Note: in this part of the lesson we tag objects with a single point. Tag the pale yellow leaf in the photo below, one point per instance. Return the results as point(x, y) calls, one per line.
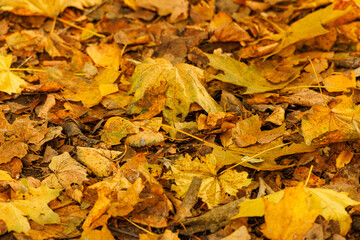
point(9, 82)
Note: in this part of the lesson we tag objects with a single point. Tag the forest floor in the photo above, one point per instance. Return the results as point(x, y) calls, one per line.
point(181, 119)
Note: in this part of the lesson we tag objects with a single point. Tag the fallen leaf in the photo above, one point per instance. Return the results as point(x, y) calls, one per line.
point(158, 86)
point(214, 186)
point(291, 217)
point(251, 77)
point(126, 199)
point(177, 8)
point(116, 128)
point(239, 234)
point(32, 204)
point(330, 204)
point(93, 234)
point(99, 161)
point(45, 8)
point(9, 82)
point(324, 125)
point(310, 26)
point(340, 82)
point(343, 158)
point(66, 172)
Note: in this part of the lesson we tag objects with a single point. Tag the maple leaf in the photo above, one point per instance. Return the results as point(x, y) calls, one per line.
point(252, 77)
point(330, 204)
point(21, 134)
point(158, 86)
point(291, 217)
point(214, 186)
point(325, 125)
point(43, 7)
point(32, 204)
point(66, 172)
point(9, 82)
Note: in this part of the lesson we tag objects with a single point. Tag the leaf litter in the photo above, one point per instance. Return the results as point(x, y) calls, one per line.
point(219, 119)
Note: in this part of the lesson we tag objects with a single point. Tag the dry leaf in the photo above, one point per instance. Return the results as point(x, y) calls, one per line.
point(9, 82)
point(291, 217)
point(214, 186)
point(66, 172)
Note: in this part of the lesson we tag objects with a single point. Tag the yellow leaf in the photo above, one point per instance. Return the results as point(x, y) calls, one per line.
point(325, 125)
point(86, 34)
point(9, 82)
point(251, 77)
point(214, 186)
point(93, 234)
point(105, 55)
point(4, 176)
point(344, 158)
point(339, 83)
point(50, 8)
point(101, 205)
point(291, 217)
point(99, 161)
point(32, 204)
point(91, 93)
point(13, 218)
point(312, 25)
point(116, 128)
point(330, 204)
point(126, 200)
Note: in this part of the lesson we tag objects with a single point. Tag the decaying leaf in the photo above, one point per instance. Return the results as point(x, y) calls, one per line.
point(116, 128)
point(178, 8)
point(16, 138)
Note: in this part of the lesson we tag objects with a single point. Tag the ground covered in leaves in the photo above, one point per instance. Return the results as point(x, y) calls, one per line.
point(181, 119)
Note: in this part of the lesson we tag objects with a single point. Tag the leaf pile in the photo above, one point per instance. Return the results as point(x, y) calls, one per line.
point(153, 119)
